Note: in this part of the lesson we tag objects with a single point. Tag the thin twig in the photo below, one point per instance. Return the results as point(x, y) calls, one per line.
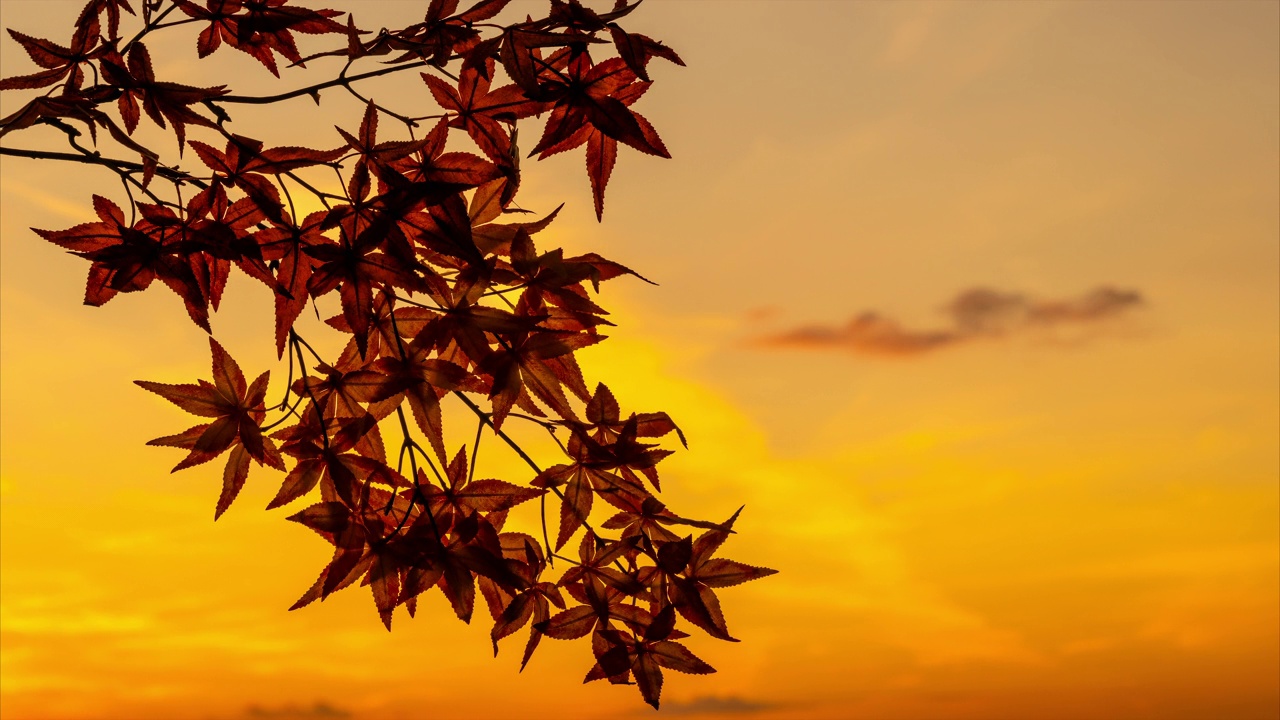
point(314, 89)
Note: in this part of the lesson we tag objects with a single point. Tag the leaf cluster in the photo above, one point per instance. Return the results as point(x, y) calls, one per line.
point(442, 292)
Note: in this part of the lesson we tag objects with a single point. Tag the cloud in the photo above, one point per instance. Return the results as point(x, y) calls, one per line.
point(715, 705)
point(321, 710)
point(984, 311)
point(975, 314)
point(867, 333)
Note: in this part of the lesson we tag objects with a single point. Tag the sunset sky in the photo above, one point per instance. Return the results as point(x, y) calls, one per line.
point(975, 306)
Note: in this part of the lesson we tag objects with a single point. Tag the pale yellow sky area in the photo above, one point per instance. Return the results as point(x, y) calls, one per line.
point(1069, 519)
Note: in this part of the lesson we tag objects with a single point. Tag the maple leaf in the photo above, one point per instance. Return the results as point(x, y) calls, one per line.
point(602, 147)
point(285, 244)
point(648, 520)
point(94, 9)
point(324, 458)
point(58, 62)
point(451, 553)
point(443, 32)
point(585, 94)
point(512, 611)
point(222, 24)
point(367, 147)
point(218, 233)
point(645, 655)
point(604, 419)
point(464, 495)
point(178, 255)
point(538, 360)
point(258, 27)
point(127, 258)
point(576, 16)
point(342, 390)
point(597, 565)
point(603, 604)
point(553, 278)
point(496, 238)
point(238, 411)
point(480, 111)
point(429, 175)
point(161, 100)
point(521, 57)
point(604, 470)
point(446, 229)
point(581, 483)
point(423, 380)
point(527, 367)
point(358, 269)
point(245, 164)
point(636, 50)
point(335, 522)
point(692, 594)
point(466, 325)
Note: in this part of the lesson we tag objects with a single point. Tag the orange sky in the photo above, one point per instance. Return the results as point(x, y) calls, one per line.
point(1061, 513)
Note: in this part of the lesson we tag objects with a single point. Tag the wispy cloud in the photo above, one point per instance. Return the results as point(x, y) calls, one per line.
point(984, 311)
point(974, 314)
point(321, 710)
point(715, 705)
point(867, 333)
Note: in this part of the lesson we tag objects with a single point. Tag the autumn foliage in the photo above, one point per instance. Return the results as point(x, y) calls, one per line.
point(444, 296)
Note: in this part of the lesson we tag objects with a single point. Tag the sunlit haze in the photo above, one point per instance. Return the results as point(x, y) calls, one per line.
point(974, 305)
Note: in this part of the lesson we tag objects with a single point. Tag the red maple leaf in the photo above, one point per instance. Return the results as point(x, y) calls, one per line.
point(464, 495)
point(643, 656)
point(572, 130)
point(258, 27)
point(358, 269)
point(95, 8)
point(161, 100)
point(480, 111)
point(245, 164)
point(513, 609)
point(59, 62)
point(127, 258)
point(636, 50)
point(285, 244)
point(238, 411)
point(423, 379)
point(323, 450)
point(692, 593)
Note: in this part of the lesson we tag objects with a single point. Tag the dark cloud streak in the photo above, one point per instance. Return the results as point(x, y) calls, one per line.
point(867, 333)
point(975, 314)
point(985, 311)
point(715, 705)
point(321, 710)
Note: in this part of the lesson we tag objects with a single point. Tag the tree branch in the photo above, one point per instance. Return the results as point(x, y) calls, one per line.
point(91, 159)
point(313, 90)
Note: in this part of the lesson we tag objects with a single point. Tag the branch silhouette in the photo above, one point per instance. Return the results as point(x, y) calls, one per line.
point(442, 293)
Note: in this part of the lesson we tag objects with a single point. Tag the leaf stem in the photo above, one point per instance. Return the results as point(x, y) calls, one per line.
point(298, 342)
point(316, 88)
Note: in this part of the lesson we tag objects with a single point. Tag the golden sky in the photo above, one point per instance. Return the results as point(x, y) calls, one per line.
point(1058, 497)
